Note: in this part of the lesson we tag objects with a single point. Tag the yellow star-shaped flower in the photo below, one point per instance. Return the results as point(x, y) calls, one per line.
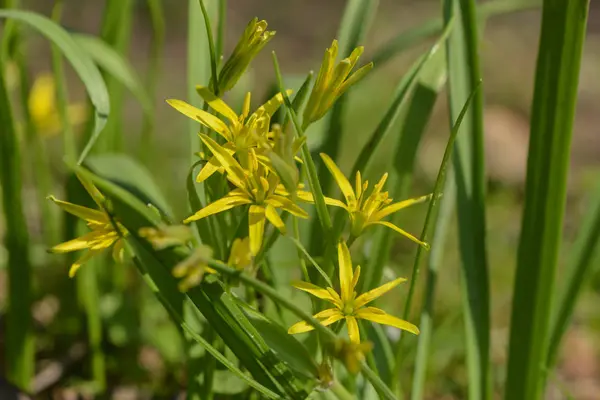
point(349, 306)
point(243, 132)
point(103, 234)
point(257, 187)
point(368, 210)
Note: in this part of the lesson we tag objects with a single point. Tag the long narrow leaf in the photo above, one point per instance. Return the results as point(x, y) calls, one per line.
point(469, 170)
point(553, 109)
point(19, 343)
point(581, 266)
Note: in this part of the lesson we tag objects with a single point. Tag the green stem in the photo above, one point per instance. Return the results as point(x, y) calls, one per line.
point(211, 47)
point(340, 391)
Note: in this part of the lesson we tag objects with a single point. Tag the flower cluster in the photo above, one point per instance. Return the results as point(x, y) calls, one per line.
point(252, 180)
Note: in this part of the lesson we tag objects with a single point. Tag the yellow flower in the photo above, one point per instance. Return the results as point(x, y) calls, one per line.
point(347, 305)
point(166, 236)
point(255, 187)
point(103, 234)
point(332, 82)
point(42, 107)
point(240, 256)
point(368, 210)
point(242, 133)
point(351, 354)
point(255, 37)
point(192, 269)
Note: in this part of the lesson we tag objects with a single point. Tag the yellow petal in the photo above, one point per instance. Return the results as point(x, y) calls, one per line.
point(354, 78)
point(233, 168)
point(208, 169)
point(274, 218)
point(217, 104)
point(381, 317)
point(92, 190)
point(84, 213)
point(327, 317)
point(79, 243)
point(345, 266)
point(353, 332)
point(355, 277)
point(82, 260)
point(307, 197)
point(314, 290)
point(341, 180)
point(118, 252)
point(42, 98)
point(206, 119)
point(286, 204)
point(400, 231)
point(271, 106)
point(256, 227)
point(392, 208)
point(218, 206)
point(371, 295)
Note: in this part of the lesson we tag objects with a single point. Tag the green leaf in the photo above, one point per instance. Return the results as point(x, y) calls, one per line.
point(224, 382)
point(553, 109)
point(81, 63)
point(116, 65)
point(286, 346)
point(469, 169)
point(436, 258)
point(579, 271)
point(19, 341)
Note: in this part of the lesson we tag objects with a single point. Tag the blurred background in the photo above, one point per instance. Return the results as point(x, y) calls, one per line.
point(145, 364)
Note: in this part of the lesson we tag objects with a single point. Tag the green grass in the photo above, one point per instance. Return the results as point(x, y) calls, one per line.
point(553, 110)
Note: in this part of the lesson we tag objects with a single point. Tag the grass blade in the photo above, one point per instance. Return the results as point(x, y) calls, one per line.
point(438, 242)
point(431, 211)
point(19, 334)
point(81, 63)
point(469, 168)
point(555, 96)
point(116, 33)
point(579, 271)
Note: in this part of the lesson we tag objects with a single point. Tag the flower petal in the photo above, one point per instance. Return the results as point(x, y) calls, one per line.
point(92, 190)
point(341, 180)
point(353, 332)
point(274, 218)
point(217, 104)
point(392, 208)
point(79, 243)
point(307, 197)
point(329, 316)
point(82, 212)
point(271, 106)
point(371, 295)
point(208, 169)
point(233, 168)
point(206, 119)
point(345, 266)
point(314, 290)
point(401, 231)
point(256, 227)
point(286, 204)
point(82, 260)
point(381, 317)
point(218, 206)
